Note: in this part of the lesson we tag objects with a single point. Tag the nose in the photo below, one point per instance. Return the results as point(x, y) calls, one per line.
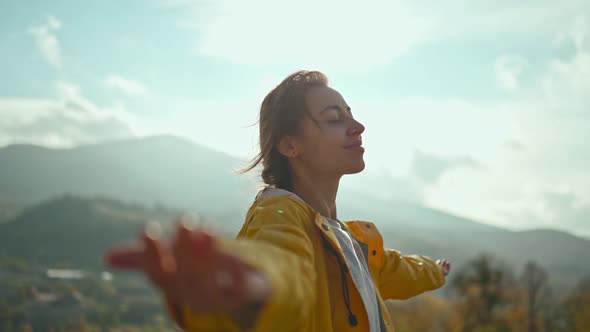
point(355, 128)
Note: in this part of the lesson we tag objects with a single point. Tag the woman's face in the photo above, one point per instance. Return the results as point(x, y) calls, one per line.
point(332, 144)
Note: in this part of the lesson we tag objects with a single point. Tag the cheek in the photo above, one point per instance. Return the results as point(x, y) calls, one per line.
point(334, 138)
point(328, 141)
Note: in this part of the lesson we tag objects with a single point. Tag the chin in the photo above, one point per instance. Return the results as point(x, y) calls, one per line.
point(353, 169)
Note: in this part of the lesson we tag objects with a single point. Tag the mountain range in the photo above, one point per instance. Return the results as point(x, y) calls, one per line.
point(53, 200)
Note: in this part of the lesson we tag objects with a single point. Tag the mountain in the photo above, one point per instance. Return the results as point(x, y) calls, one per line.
point(173, 172)
point(72, 230)
point(155, 170)
point(8, 210)
point(417, 229)
point(168, 171)
point(75, 231)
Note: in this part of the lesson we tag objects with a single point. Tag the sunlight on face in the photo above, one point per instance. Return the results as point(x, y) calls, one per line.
point(332, 140)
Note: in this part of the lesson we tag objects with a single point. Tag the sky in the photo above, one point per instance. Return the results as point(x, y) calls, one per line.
point(479, 108)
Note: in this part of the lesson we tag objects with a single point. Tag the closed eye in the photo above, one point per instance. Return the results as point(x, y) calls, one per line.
point(338, 112)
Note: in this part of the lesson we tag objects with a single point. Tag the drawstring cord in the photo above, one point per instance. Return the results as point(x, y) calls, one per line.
point(343, 270)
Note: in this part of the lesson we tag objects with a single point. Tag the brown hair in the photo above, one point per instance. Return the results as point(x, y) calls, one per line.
point(281, 113)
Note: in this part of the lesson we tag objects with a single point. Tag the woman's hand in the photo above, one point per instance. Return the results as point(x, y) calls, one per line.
point(445, 266)
point(193, 271)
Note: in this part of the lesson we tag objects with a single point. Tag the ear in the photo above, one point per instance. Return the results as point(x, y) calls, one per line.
point(289, 146)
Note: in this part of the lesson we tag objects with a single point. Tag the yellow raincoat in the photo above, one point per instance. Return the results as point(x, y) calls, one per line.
point(299, 253)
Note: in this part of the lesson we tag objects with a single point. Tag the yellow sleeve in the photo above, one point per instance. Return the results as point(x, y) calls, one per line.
point(275, 240)
point(402, 277)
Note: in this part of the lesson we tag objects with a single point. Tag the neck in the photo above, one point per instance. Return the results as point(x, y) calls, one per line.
point(319, 193)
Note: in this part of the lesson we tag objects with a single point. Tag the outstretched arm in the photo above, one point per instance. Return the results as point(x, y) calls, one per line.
point(402, 277)
point(253, 283)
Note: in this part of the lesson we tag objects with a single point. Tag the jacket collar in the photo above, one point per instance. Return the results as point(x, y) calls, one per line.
point(354, 228)
point(319, 220)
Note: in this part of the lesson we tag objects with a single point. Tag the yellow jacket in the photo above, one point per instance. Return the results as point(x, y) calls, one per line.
point(293, 244)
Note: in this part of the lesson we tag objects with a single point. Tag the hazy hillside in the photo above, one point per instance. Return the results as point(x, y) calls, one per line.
point(443, 228)
point(419, 229)
point(73, 230)
point(177, 173)
point(76, 231)
point(162, 169)
point(167, 171)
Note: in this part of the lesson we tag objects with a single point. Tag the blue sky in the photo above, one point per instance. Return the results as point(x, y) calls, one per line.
point(477, 108)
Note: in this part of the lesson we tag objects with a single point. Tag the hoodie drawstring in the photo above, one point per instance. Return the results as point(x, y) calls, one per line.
point(343, 270)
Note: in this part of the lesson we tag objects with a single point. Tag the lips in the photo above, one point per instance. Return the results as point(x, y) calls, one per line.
point(357, 144)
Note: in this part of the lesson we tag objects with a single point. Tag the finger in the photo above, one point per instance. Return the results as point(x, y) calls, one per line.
point(189, 250)
point(215, 272)
point(231, 280)
point(222, 275)
point(129, 257)
point(194, 269)
point(258, 286)
point(240, 283)
point(158, 264)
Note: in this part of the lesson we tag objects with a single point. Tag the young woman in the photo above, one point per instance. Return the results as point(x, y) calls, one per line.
point(294, 265)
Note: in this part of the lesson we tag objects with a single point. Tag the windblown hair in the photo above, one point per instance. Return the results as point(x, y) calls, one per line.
point(281, 113)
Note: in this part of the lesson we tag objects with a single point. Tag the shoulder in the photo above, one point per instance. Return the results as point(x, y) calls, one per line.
point(281, 199)
point(279, 204)
point(366, 231)
point(277, 208)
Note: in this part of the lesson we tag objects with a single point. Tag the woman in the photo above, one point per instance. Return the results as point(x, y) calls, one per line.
point(294, 266)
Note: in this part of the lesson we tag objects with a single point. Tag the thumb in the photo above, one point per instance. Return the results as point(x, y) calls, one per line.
point(125, 257)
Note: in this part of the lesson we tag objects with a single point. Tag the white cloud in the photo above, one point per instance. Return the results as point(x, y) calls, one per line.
point(568, 79)
point(47, 41)
point(546, 184)
point(504, 18)
point(383, 184)
point(508, 70)
point(531, 145)
point(448, 127)
point(223, 125)
point(331, 35)
point(430, 167)
point(564, 208)
point(67, 120)
point(578, 33)
point(356, 36)
point(515, 145)
point(554, 208)
point(126, 85)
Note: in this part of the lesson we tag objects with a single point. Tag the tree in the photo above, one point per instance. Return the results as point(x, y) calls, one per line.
point(427, 312)
point(578, 303)
point(536, 294)
point(7, 326)
point(485, 289)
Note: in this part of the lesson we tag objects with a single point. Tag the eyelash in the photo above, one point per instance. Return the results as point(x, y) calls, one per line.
point(340, 116)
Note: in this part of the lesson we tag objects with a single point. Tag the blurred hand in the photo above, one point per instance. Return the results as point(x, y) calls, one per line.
point(445, 265)
point(192, 270)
